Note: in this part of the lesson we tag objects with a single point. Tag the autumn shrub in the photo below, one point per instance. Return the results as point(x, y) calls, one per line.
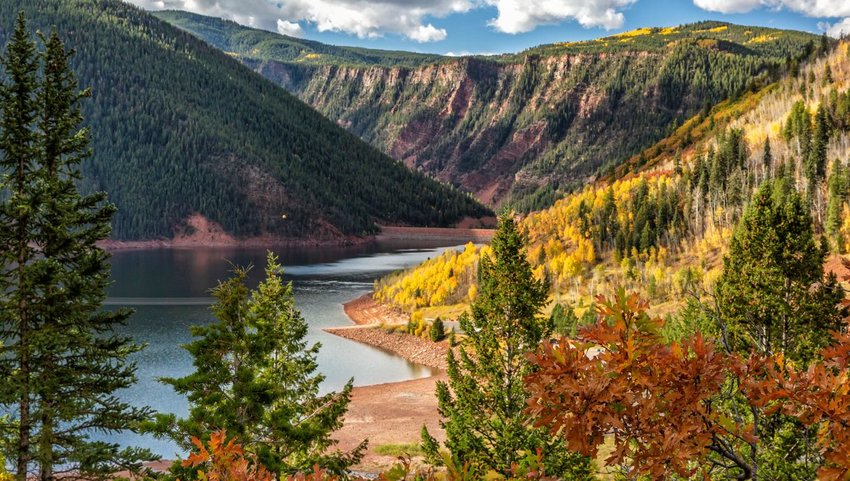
point(226, 460)
point(669, 408)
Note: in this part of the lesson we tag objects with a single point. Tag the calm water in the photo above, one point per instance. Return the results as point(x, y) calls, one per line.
point(169, 289)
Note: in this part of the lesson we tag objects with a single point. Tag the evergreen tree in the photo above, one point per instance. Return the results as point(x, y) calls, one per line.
point(773, 298)
point(767, 158)
point(483, 403)
point(438, 330)
point(816, 161)
point(255, 377)
point(60, 358)
point(838, 190)
point(773, 294)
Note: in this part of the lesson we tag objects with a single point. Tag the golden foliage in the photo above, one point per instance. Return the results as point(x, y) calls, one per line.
point(446, 279)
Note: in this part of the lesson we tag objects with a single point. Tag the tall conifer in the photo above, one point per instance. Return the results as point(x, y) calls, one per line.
point(59, 354)
point(255, 377)
point(483, 404)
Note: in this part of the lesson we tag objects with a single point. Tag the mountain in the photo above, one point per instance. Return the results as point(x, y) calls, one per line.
point(264, 45)
point(662, 226)
point(522, 128)
point(180, 130)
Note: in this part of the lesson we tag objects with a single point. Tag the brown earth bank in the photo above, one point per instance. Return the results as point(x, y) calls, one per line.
point(390, 414)
point(436, 233)
point(207, 234)
point(394, 413)
point(365, 311)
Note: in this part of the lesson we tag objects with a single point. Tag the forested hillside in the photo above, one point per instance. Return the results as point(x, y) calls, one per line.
point(662, 228)
point(180, 129)
point(263, 45)
point(525, 127)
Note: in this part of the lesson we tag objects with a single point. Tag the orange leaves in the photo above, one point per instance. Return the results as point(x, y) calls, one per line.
point(224, 460)
point(818, 396)
point(621, 380)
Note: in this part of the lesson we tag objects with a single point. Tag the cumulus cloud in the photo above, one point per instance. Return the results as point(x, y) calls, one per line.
point(811, 8)
point(253, 13)
point(836, 30)
point(293, 29)
point(518, 16)
point(364, 18)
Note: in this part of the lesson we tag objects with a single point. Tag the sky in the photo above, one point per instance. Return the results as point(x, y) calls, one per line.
point(459, 27)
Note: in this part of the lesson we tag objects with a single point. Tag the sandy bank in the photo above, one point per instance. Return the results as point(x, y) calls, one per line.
point(436, 233)
point(390, 413)
point(214, 238)
point(364, 311)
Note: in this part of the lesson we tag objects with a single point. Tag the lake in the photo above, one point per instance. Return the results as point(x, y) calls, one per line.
point(169, 290)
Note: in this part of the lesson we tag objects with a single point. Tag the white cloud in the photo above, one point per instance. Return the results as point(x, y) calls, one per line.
point(518, 16)
point(428, 33)
point(364, 18)
point(836, 30)
point(466, 53)
point(293, 29)
point(811, 8)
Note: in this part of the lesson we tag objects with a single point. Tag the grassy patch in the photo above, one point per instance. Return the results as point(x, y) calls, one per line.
point(399, 449)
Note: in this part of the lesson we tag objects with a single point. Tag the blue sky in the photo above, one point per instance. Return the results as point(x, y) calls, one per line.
point(498, 26)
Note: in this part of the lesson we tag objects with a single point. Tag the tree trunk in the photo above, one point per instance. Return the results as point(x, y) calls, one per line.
point(24, 426)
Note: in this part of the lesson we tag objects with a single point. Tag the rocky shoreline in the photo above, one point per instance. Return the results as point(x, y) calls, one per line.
point(371, 319)
point(414, 349)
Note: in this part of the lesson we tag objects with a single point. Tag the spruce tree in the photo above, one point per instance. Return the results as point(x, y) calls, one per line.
point(255, 377)
point(773, 294)
point(767, 158)
point(773, 298)
point(59, 355)
point(483, 404)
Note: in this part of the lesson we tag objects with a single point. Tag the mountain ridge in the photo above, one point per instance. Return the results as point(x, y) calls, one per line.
point(181, 129)
point(524, 129)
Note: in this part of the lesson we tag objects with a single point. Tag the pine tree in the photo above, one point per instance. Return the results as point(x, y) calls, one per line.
point(767, 158)
point(816, 161)
point(438, 330)
point(773, 293)
point(59, 355)
point(838, 190)
point(483, 404)
point(773, 298)
point(255, 377)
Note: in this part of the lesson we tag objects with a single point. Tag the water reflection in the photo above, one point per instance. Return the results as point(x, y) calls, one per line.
point(170, 290)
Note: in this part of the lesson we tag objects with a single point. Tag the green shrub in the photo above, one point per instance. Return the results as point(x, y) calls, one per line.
point(438, 331)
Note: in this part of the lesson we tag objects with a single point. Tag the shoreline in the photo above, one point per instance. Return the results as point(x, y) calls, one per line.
point(217, 239)
point(370, 317)
point(391, 413)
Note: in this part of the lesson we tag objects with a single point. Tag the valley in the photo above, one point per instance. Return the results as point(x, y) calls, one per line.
point(518, 129)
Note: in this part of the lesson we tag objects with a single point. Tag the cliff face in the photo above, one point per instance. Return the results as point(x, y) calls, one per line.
point(526, 127)
point(507, 129)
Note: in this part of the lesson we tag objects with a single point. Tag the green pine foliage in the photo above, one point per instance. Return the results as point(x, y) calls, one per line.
point(60, 361)
point(773, 295)
point(438, 330)
point(773, 299)
point(483, 404)
point(255, 377)
point(180, 128)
